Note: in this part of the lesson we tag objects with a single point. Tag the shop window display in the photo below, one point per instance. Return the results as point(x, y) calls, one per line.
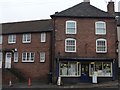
point(70, 69)
point(102, 68)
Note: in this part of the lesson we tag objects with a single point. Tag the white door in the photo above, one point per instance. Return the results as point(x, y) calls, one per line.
point(8, 60)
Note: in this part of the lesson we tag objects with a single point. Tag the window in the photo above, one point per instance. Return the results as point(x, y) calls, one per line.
point(70, 45)
point(0, 59)
point(70, 69)
point(70, 27)
point(43, 37)
point(15, 56)
point(12, 39)
point(102, 68)
point(26, 38)
point(100, 28)
point(28, 57)
point(42, 57)
point(1, 39)
point(101, 46)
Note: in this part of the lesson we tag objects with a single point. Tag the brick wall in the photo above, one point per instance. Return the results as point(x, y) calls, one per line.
point(85, 37)
point(35, 70)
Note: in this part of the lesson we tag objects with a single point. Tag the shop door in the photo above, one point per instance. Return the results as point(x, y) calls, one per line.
point(85, 72)
point(8, 60)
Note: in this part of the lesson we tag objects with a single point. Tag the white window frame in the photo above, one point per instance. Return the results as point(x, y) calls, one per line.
point(15, 56)
point(26, 57)
point(1, 39)
point(96, 27)
point(71, 21)
point(11, 39)
point(71, 45)
point(1, 58)
point(105, 46)
point(43, 37)
point(42, 56)
point(26, 38)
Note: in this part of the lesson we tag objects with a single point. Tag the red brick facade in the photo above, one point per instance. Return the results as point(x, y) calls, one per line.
point(85, 37)
point(35, 70)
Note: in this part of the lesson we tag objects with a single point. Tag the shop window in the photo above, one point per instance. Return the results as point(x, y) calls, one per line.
point(70, 69)
point(102, 68)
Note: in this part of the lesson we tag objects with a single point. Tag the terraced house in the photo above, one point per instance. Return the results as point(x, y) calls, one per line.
point(72, 45)
point(26, 50)
point(85, 42)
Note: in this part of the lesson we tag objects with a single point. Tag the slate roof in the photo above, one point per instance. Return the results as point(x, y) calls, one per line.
point(118, 18)
point(27, 26)
point(83, 9)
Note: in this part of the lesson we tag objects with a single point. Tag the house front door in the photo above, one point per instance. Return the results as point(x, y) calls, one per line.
point(8, 60)
point(84, 72)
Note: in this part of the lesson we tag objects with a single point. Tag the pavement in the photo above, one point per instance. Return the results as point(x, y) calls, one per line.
point(109, 84)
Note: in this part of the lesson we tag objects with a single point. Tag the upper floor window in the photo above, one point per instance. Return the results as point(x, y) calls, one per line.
point(1, 39)
point(70, 27)
point(70, 45)
point(43, 37)
point(28, 57)
point(12, 39)
point(26, 38)
point(101, 46)
point(100, 27)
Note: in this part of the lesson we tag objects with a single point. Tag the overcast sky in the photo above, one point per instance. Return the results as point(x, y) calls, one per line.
point(25, 10)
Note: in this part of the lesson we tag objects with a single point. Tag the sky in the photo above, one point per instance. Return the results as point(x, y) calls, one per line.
point(26, 10)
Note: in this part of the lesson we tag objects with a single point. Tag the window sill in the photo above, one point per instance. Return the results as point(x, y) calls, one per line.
point(101, 52)
point(100, 34)
point(11, 42)
point(26, 42)
point(27, 61)
point(70, 51)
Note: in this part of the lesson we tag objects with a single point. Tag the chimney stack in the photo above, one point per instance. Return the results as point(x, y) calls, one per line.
point(87, 1)
point(110, 7)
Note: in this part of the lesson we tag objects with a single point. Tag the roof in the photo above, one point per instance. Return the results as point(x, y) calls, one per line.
point(27, 26)
point(118, 18)
point(83, 9)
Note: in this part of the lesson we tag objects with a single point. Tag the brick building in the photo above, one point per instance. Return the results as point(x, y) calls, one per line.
point(118, 31)
point(72, 45)
point(85, 42)
point(26, 50)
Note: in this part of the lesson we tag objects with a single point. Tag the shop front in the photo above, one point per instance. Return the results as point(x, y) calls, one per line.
point(82, 70)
